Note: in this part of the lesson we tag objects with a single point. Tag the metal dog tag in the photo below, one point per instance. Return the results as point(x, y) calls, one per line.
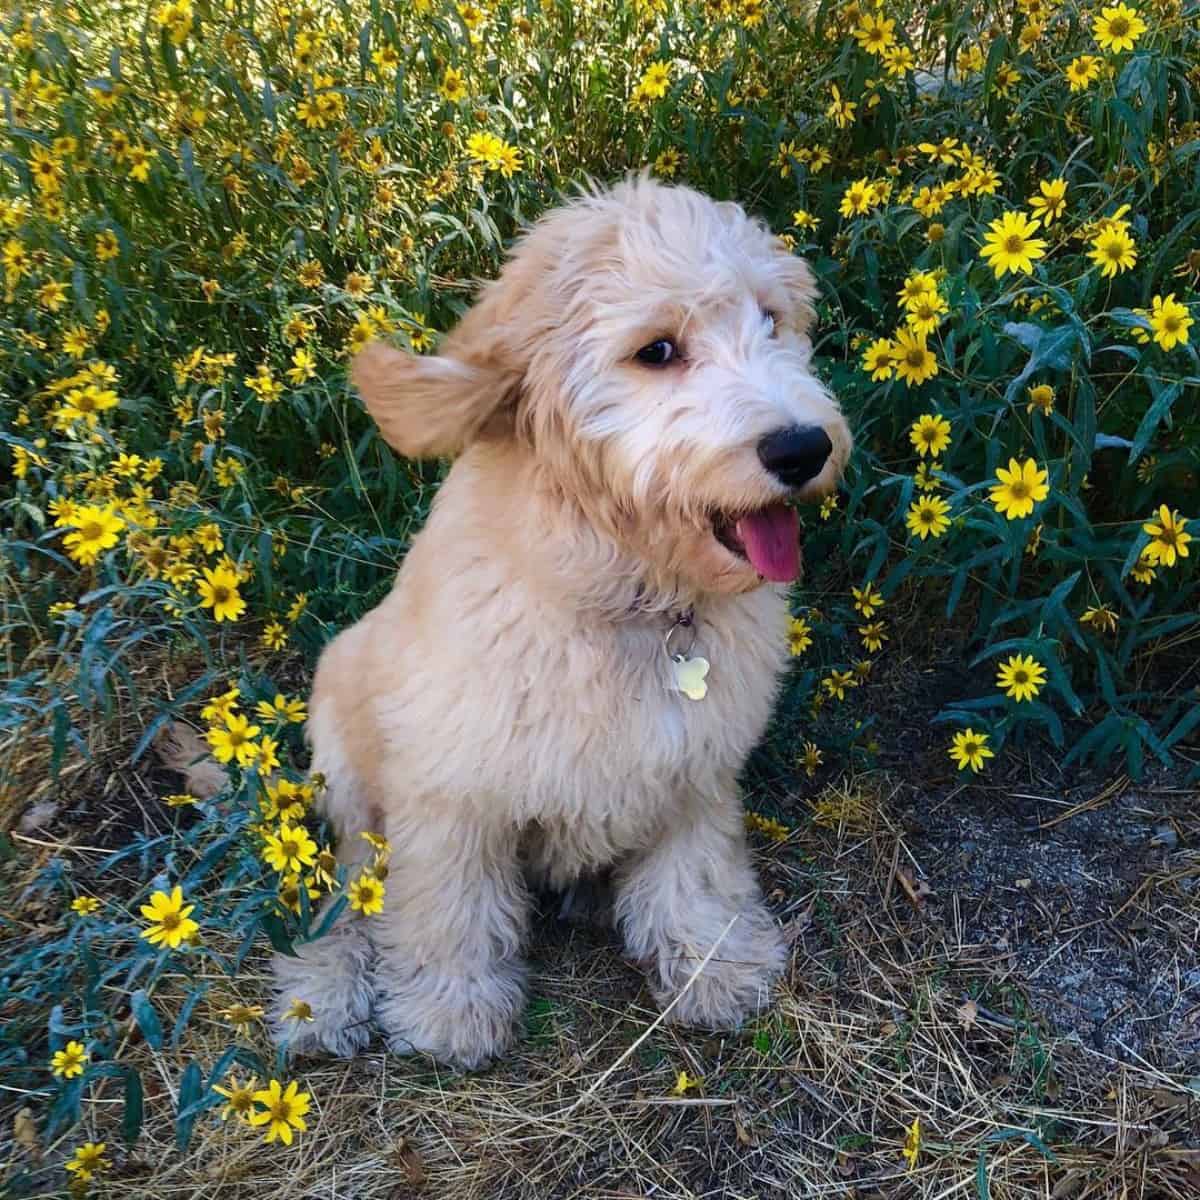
point(689, 676)
point(688, 672)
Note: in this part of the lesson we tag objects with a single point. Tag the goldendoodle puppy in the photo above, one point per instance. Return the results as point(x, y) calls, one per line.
point(584, 642)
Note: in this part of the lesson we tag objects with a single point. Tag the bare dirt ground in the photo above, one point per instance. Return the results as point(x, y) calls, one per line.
point(1013, 962)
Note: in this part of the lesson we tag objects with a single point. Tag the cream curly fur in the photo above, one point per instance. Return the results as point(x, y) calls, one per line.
point(507, 714)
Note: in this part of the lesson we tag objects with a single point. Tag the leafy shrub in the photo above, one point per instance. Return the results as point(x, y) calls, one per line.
point(206, 209)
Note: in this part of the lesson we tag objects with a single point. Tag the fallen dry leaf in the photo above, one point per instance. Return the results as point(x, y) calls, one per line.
point(1069, 1184)
point(1161, 1098)
point(25, 1131)
point(406, 1159)
point(967, 1013)
point(916, 889)
point(742, 1126)
point(184, 751)
point(798, 925)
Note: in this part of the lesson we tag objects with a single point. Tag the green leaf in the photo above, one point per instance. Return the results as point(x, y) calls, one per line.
point(1165, 396)
point(1040, 714)
point(364, 47)
point(171, 710)
point(1106, 731)
point(1134, 758)
point(191, 1090)
point(1049, 349)
point(334, 911)
point(1053, 612)
point(956, 590)
point(147, 1019)
point(277, 933)
point(996, 55)
point(65, 1110)
point(1107, 690)
point(1133, 79)
point(131, 1118)
point(212, 856)
point(1184, 725)
point(1027, 1135)
point(1159, 629)
point(185, 1013)
point(192, 173)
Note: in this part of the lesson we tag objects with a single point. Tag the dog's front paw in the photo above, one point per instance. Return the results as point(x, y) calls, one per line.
point(463, 1020)
point(735, 983)
point(322, 998)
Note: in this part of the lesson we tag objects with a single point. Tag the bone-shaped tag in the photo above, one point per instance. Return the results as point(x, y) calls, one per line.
point(689, 676)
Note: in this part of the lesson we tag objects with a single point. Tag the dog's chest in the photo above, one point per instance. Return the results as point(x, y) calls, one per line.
point(618, 744)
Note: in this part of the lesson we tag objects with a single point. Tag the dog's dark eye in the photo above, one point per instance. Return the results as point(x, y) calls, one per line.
point(769, 314)
point(658, 354)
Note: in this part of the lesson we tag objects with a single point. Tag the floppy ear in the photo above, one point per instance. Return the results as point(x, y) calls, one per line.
point(429, 407)
point(798, 280)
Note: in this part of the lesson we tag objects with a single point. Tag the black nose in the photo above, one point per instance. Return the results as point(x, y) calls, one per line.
point(795, 455)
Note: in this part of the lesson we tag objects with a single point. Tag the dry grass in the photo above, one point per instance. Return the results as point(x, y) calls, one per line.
point(894, 1012)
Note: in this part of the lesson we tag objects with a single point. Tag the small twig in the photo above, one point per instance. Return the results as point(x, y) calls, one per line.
point(20, 837)
point(814, 1092)
point(887, 894)
point(683, 1102)
point(1166, 1080)
point(662, 1016)
point(1111, 789)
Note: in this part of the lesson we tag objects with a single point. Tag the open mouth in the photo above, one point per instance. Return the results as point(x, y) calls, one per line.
point(767, 538)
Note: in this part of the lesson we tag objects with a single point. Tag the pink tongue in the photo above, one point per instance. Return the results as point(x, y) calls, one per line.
point(772, 541)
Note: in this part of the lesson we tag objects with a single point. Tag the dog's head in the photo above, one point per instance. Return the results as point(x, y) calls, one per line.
point(651, 347)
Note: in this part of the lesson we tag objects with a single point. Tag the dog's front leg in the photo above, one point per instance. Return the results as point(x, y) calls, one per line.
point(332, 974)
point(694, 889)
point(449, 978)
